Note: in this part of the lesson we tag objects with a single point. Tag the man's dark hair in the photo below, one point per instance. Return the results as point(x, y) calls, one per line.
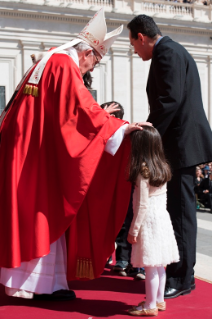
point(145, 25)
point(118, 114)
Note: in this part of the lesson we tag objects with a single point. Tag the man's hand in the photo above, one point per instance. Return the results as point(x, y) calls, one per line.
point(113, 107)
point(131, 239)
point(135, 127)
point(206, 191)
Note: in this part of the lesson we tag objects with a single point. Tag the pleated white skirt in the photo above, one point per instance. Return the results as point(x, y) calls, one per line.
point(156, 244)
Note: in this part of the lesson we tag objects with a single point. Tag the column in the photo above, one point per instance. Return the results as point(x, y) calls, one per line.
point(121, 79)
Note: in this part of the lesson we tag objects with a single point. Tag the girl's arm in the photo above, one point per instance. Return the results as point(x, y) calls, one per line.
point(140, 206)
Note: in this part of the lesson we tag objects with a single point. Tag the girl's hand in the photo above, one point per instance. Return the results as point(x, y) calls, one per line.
point(131, 239)
point(135, 127)
point(113, 107)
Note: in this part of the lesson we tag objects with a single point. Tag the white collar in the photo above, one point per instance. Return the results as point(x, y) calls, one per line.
point(72, 52)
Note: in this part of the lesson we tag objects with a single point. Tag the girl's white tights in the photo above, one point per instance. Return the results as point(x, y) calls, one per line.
point(155, 286)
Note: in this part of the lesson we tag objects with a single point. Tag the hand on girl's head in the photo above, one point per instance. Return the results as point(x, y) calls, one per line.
point(131, 239)
point(143, 123)
point(136, 126)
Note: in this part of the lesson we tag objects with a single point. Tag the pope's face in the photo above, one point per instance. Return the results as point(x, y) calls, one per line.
point(141, 46)
point(89, 60)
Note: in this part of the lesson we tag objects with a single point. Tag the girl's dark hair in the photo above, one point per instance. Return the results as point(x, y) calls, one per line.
point(147, 157)
point(145, 25)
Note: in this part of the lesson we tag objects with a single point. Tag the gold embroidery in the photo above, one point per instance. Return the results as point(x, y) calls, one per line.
point(31, 90)
point(90, 37)
point(35, 91)
point(84, 268)
point(25, 89)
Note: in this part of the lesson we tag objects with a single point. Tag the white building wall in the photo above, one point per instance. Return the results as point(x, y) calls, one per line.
point(140, 106)
point(121, 80)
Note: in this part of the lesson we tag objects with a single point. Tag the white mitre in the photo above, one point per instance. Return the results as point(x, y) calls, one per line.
point(95, 34)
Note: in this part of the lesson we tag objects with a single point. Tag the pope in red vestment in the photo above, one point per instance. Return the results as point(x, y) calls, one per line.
point(50, 149)
point(56, 177)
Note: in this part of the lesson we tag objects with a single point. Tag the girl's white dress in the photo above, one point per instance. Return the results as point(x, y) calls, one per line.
point(156, 244)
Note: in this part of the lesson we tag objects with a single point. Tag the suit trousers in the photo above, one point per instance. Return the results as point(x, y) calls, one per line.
point(182, 209)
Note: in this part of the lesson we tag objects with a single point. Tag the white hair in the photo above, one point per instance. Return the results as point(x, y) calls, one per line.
point(82, 46)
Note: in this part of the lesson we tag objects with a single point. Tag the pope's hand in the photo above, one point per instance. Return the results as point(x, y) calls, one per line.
point(136, 126)
point(131, 239)
point(113, 107)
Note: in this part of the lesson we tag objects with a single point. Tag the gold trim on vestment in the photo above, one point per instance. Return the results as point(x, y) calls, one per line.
point(84, 268)
point(31, 90)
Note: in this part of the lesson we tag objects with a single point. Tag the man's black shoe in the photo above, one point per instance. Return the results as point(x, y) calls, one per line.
point(193, 285)
point(59, 295)
point(173, 293)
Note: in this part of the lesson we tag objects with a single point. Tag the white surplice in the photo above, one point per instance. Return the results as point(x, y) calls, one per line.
point(41, 275)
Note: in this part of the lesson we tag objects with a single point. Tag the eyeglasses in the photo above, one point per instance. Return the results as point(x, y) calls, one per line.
point(97, 61)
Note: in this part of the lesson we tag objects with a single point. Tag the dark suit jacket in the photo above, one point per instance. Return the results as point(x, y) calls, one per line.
point(176, 108)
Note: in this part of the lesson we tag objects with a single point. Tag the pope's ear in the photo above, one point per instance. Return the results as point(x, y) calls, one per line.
point(88, 52)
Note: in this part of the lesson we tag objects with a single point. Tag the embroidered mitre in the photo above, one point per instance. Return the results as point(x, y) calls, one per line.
point(95, 33)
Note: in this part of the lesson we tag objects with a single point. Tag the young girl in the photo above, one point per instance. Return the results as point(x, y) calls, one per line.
point(151, 233)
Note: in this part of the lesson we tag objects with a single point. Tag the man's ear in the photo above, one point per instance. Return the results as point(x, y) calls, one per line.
point(141, 37)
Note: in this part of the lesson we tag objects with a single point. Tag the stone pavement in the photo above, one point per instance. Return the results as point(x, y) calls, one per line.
point(203, 268)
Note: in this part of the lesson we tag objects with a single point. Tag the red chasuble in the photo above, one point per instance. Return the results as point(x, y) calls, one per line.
point(56, 177)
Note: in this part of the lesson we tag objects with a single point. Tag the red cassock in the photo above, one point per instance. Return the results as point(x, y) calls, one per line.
point(56, 177)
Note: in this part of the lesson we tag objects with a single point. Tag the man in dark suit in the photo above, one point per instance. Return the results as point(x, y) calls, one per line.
point(176, 110)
